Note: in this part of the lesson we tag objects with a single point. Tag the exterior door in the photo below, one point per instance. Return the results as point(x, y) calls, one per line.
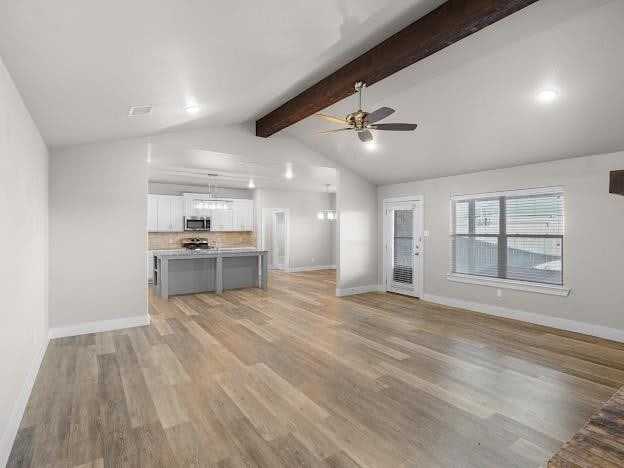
point(403, 248)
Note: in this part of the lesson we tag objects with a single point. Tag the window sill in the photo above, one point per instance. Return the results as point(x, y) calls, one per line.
point(510, 284)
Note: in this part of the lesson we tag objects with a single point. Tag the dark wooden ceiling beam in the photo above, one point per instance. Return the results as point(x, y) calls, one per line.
point(447, 24)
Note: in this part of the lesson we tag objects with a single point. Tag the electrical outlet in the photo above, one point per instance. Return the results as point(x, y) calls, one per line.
point(499, 293)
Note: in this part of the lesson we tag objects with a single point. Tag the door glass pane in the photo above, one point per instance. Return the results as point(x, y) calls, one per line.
point(403, 261)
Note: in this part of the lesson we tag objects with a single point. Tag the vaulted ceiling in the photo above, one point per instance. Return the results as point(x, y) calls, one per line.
point(79, 64)
point(476, 105)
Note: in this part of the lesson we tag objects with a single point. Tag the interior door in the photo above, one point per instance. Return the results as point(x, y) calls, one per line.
point(279, 240)
point(403, 247)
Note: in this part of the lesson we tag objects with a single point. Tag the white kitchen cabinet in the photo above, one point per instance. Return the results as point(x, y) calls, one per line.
point(169, 213)
point(177, 213)
point(152, 213)
point(243, 215)
point(221, 220)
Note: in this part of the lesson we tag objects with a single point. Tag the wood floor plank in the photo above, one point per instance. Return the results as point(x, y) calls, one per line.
point(295, 376)
point(170, 409)
point(140, 406)
point(22, 451)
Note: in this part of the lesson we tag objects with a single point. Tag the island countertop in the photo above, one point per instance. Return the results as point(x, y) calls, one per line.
point(209, 253)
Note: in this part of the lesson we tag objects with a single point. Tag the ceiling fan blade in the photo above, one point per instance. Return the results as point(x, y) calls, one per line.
point(397, 127)
point(365, 136)
point(379, 114)
point(331, 131)
point(329, 118)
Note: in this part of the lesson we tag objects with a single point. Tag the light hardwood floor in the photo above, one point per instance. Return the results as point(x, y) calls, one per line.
point(294, 376)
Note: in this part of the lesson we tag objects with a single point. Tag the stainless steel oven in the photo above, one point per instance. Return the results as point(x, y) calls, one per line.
point(197, 223)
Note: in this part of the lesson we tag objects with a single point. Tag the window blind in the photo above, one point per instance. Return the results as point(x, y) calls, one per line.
point(509, 235)
point(403, 247)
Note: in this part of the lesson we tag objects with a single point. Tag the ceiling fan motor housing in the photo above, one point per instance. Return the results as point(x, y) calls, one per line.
point(357, 120)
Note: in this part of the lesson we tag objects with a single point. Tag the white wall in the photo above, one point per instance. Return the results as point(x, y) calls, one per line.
point(593, 246)
point(310, 239)
point(98, 234)
point(241, 141)
point(24, 271)
point(177, 189)
point(98, 275)
point(356, 204)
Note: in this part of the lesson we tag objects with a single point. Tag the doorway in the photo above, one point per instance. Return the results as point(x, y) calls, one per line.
point(274, 238)
point(403, 245)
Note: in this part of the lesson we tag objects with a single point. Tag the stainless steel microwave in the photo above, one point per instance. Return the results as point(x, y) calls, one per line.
point(197, 223)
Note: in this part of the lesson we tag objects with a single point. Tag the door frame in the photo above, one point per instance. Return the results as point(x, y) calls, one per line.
point(267, 213)
point(420, 199)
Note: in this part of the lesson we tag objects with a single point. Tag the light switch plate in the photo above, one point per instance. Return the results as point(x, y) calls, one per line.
point(426, 233)
point(499, 293)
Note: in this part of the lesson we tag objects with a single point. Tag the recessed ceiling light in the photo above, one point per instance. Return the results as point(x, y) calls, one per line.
point(547, 95)
point(192, 109)
point(370, 145)
point(251, 184)
point(289, 174)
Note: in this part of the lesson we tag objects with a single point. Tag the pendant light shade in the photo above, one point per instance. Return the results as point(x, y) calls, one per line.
point(327, 214)
point(212, 202)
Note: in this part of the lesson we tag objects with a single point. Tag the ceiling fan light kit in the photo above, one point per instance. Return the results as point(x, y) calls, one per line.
point(363, 122)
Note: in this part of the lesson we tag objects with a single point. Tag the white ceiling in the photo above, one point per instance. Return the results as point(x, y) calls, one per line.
point(79, 64)
point(475, 101)
point(184, 166)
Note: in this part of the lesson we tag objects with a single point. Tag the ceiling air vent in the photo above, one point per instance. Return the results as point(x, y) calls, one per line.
point(134, 111)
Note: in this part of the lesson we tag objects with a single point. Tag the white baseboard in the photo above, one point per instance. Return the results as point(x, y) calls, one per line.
point(102, 326)
point(530, 317)
point(311, 268)
point(10, 432)
point(359, 290)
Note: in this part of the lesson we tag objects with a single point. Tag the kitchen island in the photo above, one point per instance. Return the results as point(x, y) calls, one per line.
point(183, 271)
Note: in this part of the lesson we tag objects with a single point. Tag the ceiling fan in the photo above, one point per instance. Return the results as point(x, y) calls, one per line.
point(363, 122)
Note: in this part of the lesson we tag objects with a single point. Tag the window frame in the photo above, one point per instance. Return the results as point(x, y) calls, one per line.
point(502, 237)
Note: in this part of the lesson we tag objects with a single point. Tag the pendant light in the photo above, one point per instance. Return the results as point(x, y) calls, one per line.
point(212, 202)
point(326, 214)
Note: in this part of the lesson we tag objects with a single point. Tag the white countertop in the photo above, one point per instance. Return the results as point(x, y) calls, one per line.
point(178, 251)
point(198, 252)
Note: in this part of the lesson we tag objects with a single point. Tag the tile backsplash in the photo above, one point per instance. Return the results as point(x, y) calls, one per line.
point(173, 240)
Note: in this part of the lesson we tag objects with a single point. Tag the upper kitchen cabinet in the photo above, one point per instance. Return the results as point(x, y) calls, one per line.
point(222, 220)
point(165, 213)
point(243, 215)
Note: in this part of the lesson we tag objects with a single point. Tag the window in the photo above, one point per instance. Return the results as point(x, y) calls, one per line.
point(515, 236)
